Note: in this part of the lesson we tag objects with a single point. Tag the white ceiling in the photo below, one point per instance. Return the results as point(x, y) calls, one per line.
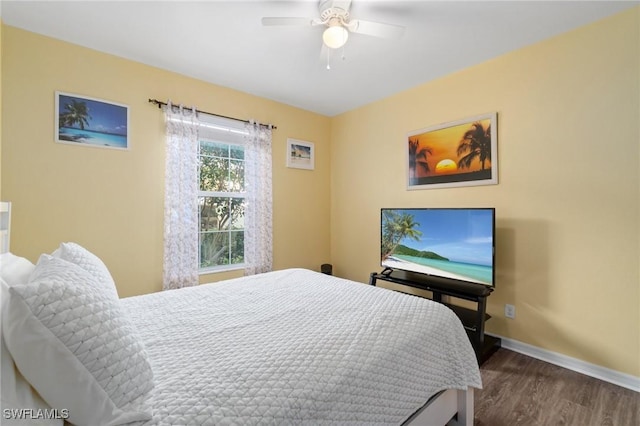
point(224, 42)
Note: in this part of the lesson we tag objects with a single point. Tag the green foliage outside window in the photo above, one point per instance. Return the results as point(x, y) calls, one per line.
point(221, 204)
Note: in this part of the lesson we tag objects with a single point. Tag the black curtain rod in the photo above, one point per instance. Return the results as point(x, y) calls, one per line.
point(161, 104)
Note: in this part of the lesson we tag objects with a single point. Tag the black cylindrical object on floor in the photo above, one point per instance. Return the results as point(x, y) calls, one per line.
point(326, 268)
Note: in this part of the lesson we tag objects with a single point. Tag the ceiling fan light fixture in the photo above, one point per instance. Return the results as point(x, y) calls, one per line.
point(335, 36)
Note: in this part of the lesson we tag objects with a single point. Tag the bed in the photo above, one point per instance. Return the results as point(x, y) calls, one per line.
point(286, 347)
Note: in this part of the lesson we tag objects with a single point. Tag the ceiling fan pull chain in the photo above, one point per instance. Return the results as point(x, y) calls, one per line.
point(328, 59)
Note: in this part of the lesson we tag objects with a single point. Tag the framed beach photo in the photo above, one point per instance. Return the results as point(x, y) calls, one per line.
point(458, 153)
point(300, 154)
point(84, 121)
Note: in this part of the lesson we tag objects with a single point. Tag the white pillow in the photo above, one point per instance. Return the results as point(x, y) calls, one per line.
point(15, 269)
point(88, 261)
point(71, 340)
point(16, 392)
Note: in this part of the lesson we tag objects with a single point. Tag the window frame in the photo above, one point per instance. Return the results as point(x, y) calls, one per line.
point(228, 132)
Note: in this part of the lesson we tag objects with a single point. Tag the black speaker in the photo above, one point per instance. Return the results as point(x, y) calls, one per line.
point(326, 268)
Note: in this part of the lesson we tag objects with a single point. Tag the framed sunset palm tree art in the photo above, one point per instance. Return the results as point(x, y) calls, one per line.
point(85, 121)
point(458, 153)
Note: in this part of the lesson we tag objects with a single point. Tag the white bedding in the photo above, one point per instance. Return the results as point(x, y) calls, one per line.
point(297, 347)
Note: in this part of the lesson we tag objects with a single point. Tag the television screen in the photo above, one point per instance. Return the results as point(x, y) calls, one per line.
point(455, 243)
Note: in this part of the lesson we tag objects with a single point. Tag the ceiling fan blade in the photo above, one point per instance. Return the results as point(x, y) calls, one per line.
point(376, 29)
point(288, 21)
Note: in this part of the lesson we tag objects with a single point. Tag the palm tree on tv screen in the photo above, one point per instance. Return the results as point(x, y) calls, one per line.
point(476, 144)
point(395, 227)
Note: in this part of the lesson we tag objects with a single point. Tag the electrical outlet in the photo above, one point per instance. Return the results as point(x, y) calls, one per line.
point(509, 311)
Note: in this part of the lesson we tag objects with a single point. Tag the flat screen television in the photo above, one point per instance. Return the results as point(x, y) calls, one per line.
point(451, 243)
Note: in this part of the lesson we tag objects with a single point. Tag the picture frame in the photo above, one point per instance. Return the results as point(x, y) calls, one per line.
point(300, 154)
point(85, 121)
point(454, 154)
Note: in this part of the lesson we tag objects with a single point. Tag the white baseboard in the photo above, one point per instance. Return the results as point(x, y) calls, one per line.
point(617, 378)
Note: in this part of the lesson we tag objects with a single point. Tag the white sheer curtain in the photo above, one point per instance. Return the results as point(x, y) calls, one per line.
point(180, 266)
point(258, 213)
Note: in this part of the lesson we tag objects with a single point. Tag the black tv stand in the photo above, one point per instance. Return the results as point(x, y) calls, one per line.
point(472, 320)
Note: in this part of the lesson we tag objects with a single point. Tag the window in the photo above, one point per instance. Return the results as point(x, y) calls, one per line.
point(218, 208)
point(221, 195)
point(221, 202)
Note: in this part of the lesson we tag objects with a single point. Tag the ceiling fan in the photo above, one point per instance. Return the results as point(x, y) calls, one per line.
point(334, 14)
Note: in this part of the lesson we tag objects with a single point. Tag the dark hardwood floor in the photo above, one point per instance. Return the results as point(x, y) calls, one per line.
point(519, 390)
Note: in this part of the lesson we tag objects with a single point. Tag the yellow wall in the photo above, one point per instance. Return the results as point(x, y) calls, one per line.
point(111, 201)
point(567, 202)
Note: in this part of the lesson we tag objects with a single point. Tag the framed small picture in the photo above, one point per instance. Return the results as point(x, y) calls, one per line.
point(85, 121)
point(458, 153)
point(300, 154)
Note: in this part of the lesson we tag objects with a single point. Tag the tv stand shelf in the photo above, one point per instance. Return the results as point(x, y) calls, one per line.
point(472, 320)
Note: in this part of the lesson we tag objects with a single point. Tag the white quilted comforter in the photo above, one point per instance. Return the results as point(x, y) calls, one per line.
point(296, 347)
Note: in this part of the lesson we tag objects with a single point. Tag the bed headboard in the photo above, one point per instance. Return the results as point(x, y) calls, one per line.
point(5, 226)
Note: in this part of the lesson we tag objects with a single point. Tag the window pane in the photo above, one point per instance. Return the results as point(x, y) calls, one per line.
point(237, 213)
point(237, 247)
point(214, 174)
point(216, 149)
point(237, 152)
point(209, 217)
point(236, 176)
point(221, 231)
point(214, 249)
point(218, 213)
